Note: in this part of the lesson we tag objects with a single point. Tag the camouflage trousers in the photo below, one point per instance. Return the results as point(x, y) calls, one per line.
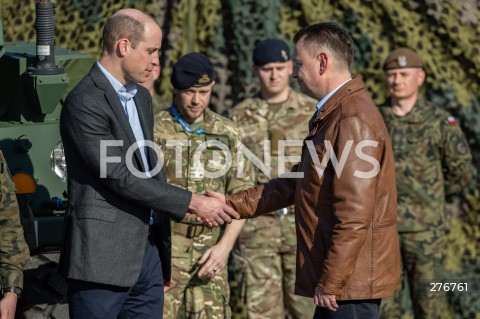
point(263, 263)
point(191, 297)
point(423, 255)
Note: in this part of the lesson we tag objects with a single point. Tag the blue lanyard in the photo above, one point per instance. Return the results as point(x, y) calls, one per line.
point(182, 122)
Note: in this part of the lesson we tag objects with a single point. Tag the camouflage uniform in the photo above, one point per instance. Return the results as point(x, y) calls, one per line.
point(264, 257)
point(432, 160)
point(190, 296)
point(14, 251)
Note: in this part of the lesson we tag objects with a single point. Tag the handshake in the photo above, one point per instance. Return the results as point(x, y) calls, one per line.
point(211, 209)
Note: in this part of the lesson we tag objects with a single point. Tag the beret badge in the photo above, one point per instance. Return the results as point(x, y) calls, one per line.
point(402, 61)
point(204, 79)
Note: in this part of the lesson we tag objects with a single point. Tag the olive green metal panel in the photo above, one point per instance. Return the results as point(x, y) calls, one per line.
point(34, 161)
point(45, 91)
point(28, 98)
point(30, 107)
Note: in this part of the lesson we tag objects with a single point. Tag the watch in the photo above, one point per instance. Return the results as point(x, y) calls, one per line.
point(15, 290)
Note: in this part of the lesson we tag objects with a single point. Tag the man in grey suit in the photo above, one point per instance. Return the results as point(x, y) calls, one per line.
point(116, 253)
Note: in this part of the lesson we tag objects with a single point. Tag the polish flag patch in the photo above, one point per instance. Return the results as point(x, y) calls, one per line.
point(451, 120)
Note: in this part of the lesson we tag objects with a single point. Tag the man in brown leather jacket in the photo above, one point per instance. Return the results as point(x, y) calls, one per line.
point(343, 189)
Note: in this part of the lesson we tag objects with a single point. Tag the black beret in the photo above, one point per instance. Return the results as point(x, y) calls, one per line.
point(192, 70)
point(271, 50)
point(402, 58)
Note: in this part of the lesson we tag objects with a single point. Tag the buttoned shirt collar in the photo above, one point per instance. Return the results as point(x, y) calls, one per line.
point(124, 92)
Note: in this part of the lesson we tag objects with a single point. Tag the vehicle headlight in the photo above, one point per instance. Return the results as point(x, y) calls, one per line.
point(57, 161)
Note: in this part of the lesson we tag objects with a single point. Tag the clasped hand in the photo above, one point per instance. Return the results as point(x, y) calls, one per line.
point(211, 209)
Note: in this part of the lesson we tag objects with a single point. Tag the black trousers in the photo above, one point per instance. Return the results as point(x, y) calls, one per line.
point(351, 309)
point(88, 300)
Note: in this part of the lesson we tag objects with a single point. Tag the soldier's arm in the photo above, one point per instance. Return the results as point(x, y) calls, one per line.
point(230, 236)
point(14, 253)
point(456, 158)
point(240, 177)
point(217, 256)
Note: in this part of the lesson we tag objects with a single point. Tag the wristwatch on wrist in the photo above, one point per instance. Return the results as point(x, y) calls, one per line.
point(15, 290)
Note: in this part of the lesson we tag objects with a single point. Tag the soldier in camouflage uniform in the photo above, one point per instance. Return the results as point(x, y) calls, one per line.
point(195, 142)
point(264, 258)
point(432, 161)
point(14, 252)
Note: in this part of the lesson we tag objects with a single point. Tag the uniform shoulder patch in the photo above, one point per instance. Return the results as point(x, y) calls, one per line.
point(451, 120)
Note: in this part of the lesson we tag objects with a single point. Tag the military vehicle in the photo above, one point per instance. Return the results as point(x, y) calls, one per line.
point(36, 77)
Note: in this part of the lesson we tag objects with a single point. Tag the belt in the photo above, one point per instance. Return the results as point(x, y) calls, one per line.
point(281, 212)
point(189, 230)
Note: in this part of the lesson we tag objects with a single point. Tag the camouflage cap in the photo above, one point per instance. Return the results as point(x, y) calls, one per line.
point(402, 58)
point(270, 50)
point(192, 70)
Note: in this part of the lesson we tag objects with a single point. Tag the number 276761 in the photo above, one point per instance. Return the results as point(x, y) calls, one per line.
point(448, 286)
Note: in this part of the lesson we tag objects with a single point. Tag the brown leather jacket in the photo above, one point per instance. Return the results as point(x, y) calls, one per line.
point(346, 217)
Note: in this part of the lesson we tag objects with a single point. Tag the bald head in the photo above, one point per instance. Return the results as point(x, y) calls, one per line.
point(126, 23)
point(134, 13)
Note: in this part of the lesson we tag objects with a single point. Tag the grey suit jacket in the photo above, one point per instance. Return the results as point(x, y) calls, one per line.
point(106, 222)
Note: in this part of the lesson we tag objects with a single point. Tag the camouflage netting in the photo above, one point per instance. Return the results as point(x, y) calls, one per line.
point(445, 33)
